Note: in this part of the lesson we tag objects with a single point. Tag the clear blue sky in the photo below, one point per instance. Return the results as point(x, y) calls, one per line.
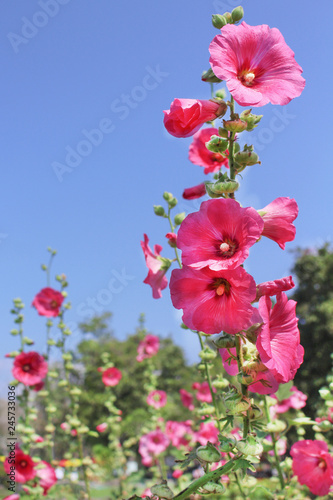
point(69, 67)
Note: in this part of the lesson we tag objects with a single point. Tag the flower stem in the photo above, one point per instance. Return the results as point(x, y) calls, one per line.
point(274, 441)
point(172, 227)
point(246, 419)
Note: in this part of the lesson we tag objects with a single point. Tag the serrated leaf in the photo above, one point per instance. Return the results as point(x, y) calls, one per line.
point(243, 464)
point(189, 458)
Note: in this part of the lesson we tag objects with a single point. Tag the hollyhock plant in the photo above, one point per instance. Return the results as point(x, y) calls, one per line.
point(192, 193)
point(257, 65)
point(48, 302)
point(24, 466)
point(203, 393)
point(273, 287)
point(186, 116)
point(111, 376)
point(313, 465)
point(156, 270)
point(157, 399)
point(213, 301)
point(47, 476)
point(29, 368)
point(200, 155)
point(219, 235)
point(148, 347)
point(186, 399)
point(278, 217)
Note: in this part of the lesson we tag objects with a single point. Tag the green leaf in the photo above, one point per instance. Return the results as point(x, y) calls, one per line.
point(284, 391)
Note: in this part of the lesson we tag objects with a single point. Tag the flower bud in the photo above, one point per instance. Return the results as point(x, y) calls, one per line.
point(217, 144)
point(237, 14)
point(220, 93)
point(218, 21)
point(224, 187)
point(208, 76)
point(172, 239)
point(162, 491)
point(223, 132)
point(249, 446)
point(214, 488)
point(325, 393)
point(210, 191)
point(224, 340)
point(221, 111)
point(235, 404)
point(167, 196)
point(207, 354)
point(51, 342)
point(235, 125)
point(276, 426)
point(12, 354)
point(227, 16)
point(159, 210)
point(179, 218)
point(173, 202)
point(14, 332)
point(247, 157)
point(220, 383)
point(227, 444)
point(205, 410)
point(50, 428)
point(208, 453)
point(325, 426)
point(251, 120)
point(44, 267)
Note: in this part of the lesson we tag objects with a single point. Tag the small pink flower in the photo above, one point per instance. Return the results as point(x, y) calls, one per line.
point(200, 155)
point(187, 399)
point(180, 433)
point(39, 439)
point(177, 473)
point(172, 239)
point(101, 427)
point(296, 400)
point(313, 465)
point(192, 193)
point(257, 65)
point(186, 116)
point(207, 432)
point(47, 476)
point(273, 287)
point(148, 347)
point(151, 445)
point(15, 496)
point(157, 399)
point(29, 368)
point(48, 302)
point(219, 235)
point(24, 466)
point(203, 392)
point(213, 301)
point(111, 377)
point(156, 272)
point(278, 218)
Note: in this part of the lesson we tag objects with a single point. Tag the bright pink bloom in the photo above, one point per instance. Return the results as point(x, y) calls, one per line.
point(147, 493)
point(101, 427)
point(111, 376)
point(180, 433)
point(278, 219)
point(297, 400)
point(177, 473)
point(74, 432)
point(187, 399)
point(151, 445)
point(48, 302)
point(12, 497)
point(200, 155)
point(186, 116)
point(39, 439)
point(257, 65)
point(194, 192)
point(278, 341)
point(157, 399)
point(156, 273)
point(219, 235)
point(274, 287)
point(64, 426)
point(47, 476)
point(29, 368)
point(203, 392)
point(148, 347)
point(24, 466)
point(207, 432)
point(313, 465)
point(172, 237)
point(213, 301)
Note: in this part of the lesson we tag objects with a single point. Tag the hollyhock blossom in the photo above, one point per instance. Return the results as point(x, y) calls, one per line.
point(111, 376)
point(48, 302)
point(47, 476)
point(274, 287)
point(172, 239)
point(203, 393)
point(281, 445)
point(15, 496)
point(151, 445)
point(213, 301)
point(313, 465)
point(29, 368)
point(186, 116)
point(24, 466)
point(219, 235)
point(200, 155)
point(186, 399)
point(148, 347)
point(278, 217)
point(257, 65)
point(194, 192)
point(156, 271)
point(180, 433)
point(157, 399)
point(101, 427)
point(296, 400)
point(207, 432)
point(177, 473)
point(278, 341)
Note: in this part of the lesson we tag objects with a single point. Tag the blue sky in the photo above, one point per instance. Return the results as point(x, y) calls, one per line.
point(93, 78)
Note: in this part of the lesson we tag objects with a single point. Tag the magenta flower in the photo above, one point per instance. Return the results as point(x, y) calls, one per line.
point(15, 496)
point(156, 271)
point(187, 399)
point(29, 368)
point(257, 65)
point(200, 155)
point(46, 475)
point(180, 433)
point(186, 116)
point(278, 341)
point(203, 393)
point(213, 301)
point(111, 376)
point(194, 192)
point(273, 287)
point(219, 235)
point(48, 302)
point(151, 445)
point(278, 219)
point(313, 465)
point(101, 427)
point(172, 239)
point(296, 400)
point(24, 466)
point(157, 399)
point(148, 347)
point(207, 432)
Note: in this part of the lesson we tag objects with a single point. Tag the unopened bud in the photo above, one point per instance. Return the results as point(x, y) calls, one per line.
point(179, 218)
point(44, 267)
point(209, 76)
point(224, 187)
point(325, 426)
point(237, 14)
point(227, 444)
point(249, 446)
point(224, 341)
point(220, 93)
point(208, 453)
point(206, 410)
point(227, 16)
point(27, 341)
point(217, 144)
point(276, 426)
point(167, 196)
point(214, 488)
point(207, 354)
point(251, 120)
point(162, 491)
point(159, 210)
point(173, 202)
point(223, 132)
point(220, 383)
point(218, 21)
point(245, 158)
point(14, 332)
point(235, 125)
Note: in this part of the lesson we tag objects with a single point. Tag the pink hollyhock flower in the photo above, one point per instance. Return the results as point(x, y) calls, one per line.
point(281, 446)
point(157, 399)
point(213, 301)
point(296, 400)
point(29, 368)
point(219, 235)
point(180, 433)
point(47, 476)
point(48, 302)
point(200, 155)
point(111, 376)
point(151, 445)
point(15, 496)
point(177, 473)
point(278, 219)
point(101, 427)
point(313, 465)
point(186, 116)
point(187, 399)
point(147, 493)
point(24, 466)
point(274, 287)
point(148, 347)
point(74, 432)
point(156, 269)
point(257, 65)
point(39, 439)
point(207, 432)
point(172, 239)
point(203, 392)
point(64, 426)
point(194, 192)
